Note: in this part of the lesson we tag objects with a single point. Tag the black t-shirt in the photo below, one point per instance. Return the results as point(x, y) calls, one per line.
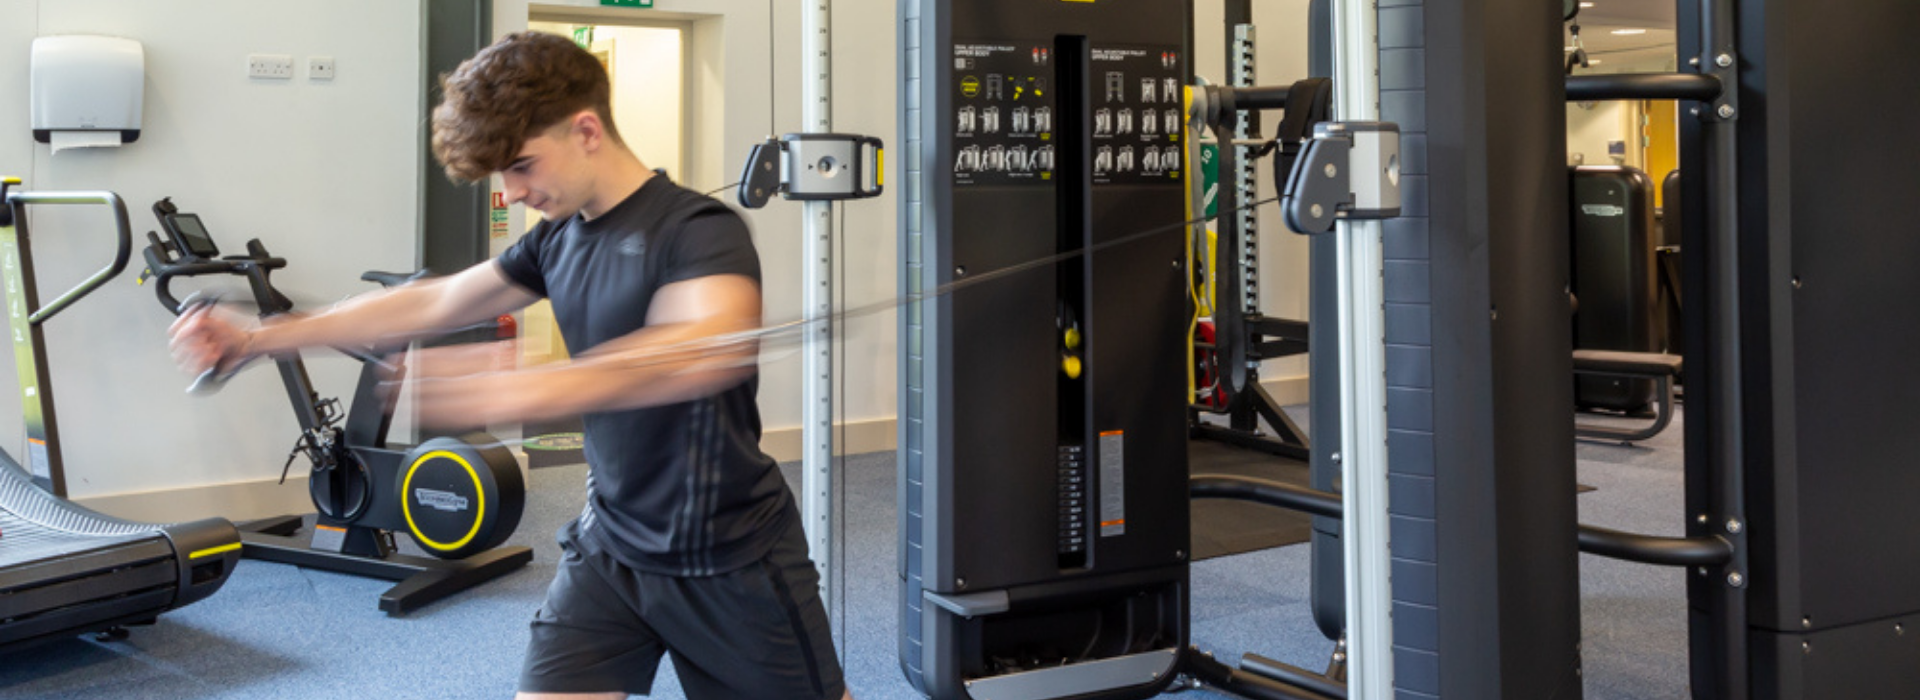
point(681, 489)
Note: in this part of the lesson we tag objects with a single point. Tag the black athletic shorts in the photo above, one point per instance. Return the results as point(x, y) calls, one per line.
point(756, 632)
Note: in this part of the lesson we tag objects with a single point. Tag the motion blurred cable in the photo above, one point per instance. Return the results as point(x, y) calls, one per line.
point(789, 332)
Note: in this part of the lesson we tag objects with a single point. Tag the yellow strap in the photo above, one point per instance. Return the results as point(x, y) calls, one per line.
point(210, 551)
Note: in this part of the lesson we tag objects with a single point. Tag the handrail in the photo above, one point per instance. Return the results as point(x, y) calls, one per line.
point(1293, 675)
point(1650, 549)
point(1643, 86)
point(1613, 544)
point(1267, 491)
point(99, 278)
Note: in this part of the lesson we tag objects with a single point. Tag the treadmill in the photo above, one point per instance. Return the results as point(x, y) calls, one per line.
point(66, 570)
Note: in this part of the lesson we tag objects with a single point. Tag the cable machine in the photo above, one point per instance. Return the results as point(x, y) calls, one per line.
point(1045, 539)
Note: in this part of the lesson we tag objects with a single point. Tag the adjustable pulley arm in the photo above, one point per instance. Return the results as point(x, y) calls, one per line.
point(813, 167)
point(1350, 170)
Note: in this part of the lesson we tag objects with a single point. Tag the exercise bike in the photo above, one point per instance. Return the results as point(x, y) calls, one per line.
point(458, 497)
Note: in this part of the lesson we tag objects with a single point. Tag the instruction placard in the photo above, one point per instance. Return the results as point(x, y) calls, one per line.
point(1004, 114)
point(1137, 115)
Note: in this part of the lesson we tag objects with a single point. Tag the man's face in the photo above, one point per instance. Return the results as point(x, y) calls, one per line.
point(549, 175)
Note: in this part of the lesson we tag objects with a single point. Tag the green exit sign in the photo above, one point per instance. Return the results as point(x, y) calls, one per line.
point(627, 3)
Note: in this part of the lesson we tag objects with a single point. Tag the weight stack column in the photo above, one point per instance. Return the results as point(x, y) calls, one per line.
point(1043, 507)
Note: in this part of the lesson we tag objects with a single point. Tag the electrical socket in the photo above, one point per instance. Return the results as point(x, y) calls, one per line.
point(319, 67)
point(273, 66)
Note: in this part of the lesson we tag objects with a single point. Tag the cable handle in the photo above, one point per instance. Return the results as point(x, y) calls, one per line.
point(211, 380)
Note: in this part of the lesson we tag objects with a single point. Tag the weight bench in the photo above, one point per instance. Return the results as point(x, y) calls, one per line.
point(1660, 367)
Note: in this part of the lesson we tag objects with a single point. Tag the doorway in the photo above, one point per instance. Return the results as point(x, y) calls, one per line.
point(646, 67)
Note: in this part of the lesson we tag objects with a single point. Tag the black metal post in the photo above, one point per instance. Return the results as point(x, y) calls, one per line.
point(1727, 456)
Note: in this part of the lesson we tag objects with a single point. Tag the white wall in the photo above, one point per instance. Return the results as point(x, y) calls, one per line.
point(865, 98)
point(646, 66)
point(1591, 126)
point(16, 160)
point(325, 173)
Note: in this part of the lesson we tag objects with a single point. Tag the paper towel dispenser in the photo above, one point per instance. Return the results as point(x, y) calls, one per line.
point(88, 84)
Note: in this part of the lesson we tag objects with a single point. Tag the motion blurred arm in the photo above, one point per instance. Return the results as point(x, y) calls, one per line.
point(424, 308)
point(699, 340)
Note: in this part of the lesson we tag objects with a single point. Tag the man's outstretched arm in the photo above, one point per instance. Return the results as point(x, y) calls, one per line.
point(674, 358)
point(201, 337)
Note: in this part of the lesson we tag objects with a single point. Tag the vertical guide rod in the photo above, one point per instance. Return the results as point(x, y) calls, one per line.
point(1363, 391)
point(816, 346)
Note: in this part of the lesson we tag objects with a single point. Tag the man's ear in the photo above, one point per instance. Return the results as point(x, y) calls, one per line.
point(592, 131)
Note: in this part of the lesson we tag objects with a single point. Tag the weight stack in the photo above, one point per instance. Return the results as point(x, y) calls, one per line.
point(1044, 514)
point(1614, 279)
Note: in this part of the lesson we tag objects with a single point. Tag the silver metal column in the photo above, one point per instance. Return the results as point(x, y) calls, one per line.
point(816, 346)
point(1363, 390)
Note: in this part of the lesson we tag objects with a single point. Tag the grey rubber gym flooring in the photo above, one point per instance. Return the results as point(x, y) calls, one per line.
point(1222, 527)
point(276, 631)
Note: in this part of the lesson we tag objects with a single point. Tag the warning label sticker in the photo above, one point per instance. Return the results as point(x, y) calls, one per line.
point(1113, 484)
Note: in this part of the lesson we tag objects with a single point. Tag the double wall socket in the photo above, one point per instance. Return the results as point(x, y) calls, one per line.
point(272, 66)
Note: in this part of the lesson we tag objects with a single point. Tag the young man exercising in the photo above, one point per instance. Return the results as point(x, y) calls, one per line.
point(690, 543)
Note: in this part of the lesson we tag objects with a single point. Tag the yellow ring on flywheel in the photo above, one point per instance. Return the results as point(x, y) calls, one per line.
point(479, 494)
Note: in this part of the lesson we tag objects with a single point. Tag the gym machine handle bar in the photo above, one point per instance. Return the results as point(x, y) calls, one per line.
point(1643, 86)
point(18, 200)
point(1705, 550)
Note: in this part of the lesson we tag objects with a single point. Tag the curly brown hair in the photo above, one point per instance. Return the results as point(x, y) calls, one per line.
point(520, 86)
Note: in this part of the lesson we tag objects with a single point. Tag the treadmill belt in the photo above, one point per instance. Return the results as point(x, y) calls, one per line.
point(1221, 526)
point(23, 541)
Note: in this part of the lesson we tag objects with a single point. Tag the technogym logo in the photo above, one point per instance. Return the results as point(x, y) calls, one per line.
point(634, 244)
point(440, 500)
point(1602, 210)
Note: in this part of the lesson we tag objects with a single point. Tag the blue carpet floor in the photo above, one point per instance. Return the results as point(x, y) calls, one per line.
point(277, 631)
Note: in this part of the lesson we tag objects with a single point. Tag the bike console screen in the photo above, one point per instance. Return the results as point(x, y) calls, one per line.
point(191, 235)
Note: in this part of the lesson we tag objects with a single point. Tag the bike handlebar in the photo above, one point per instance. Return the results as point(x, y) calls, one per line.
point(254, 266)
